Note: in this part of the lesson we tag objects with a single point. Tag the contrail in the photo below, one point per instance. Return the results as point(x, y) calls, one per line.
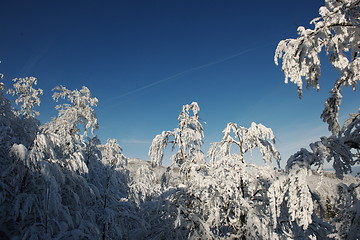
point(189, 71)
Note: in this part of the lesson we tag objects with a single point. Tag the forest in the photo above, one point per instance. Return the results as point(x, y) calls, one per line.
point(58, 181)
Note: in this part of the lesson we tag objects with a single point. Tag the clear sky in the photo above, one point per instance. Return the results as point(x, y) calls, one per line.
point(143, 60)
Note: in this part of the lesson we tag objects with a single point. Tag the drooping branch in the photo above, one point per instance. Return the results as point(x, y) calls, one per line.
point(337, 32)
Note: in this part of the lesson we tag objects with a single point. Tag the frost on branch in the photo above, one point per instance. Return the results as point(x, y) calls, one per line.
point(187, 137)
point(246, 139)
point(28, 96)
point(337, 31)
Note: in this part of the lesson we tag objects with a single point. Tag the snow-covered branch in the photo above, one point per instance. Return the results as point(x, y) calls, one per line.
point(246, 139)
point(27, 96)
point(187, 137)
point(337, 32)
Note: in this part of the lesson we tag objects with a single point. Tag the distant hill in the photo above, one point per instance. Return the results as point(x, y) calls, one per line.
point(355, 170)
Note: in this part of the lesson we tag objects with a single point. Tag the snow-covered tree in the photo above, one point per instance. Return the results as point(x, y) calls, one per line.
point(223, 199)
point(15, 127)
point(5, 106)
point(7, 117)
point(292, 207)
point(54, 196)
point(27, 96)
point(17, 183)
point(110, 177)
point(188, 137)
point(337, 31)
point(64, 131)
point(227, 198)
point(79, 111)
point(145, 186)
point(112, 154)
point(245, 139)
point(46, 200)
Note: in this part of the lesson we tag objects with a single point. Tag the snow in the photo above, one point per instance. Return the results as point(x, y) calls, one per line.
point(59, 182)
point(19, 151)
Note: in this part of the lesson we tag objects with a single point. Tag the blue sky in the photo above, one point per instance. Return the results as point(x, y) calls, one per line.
point(143, 60)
